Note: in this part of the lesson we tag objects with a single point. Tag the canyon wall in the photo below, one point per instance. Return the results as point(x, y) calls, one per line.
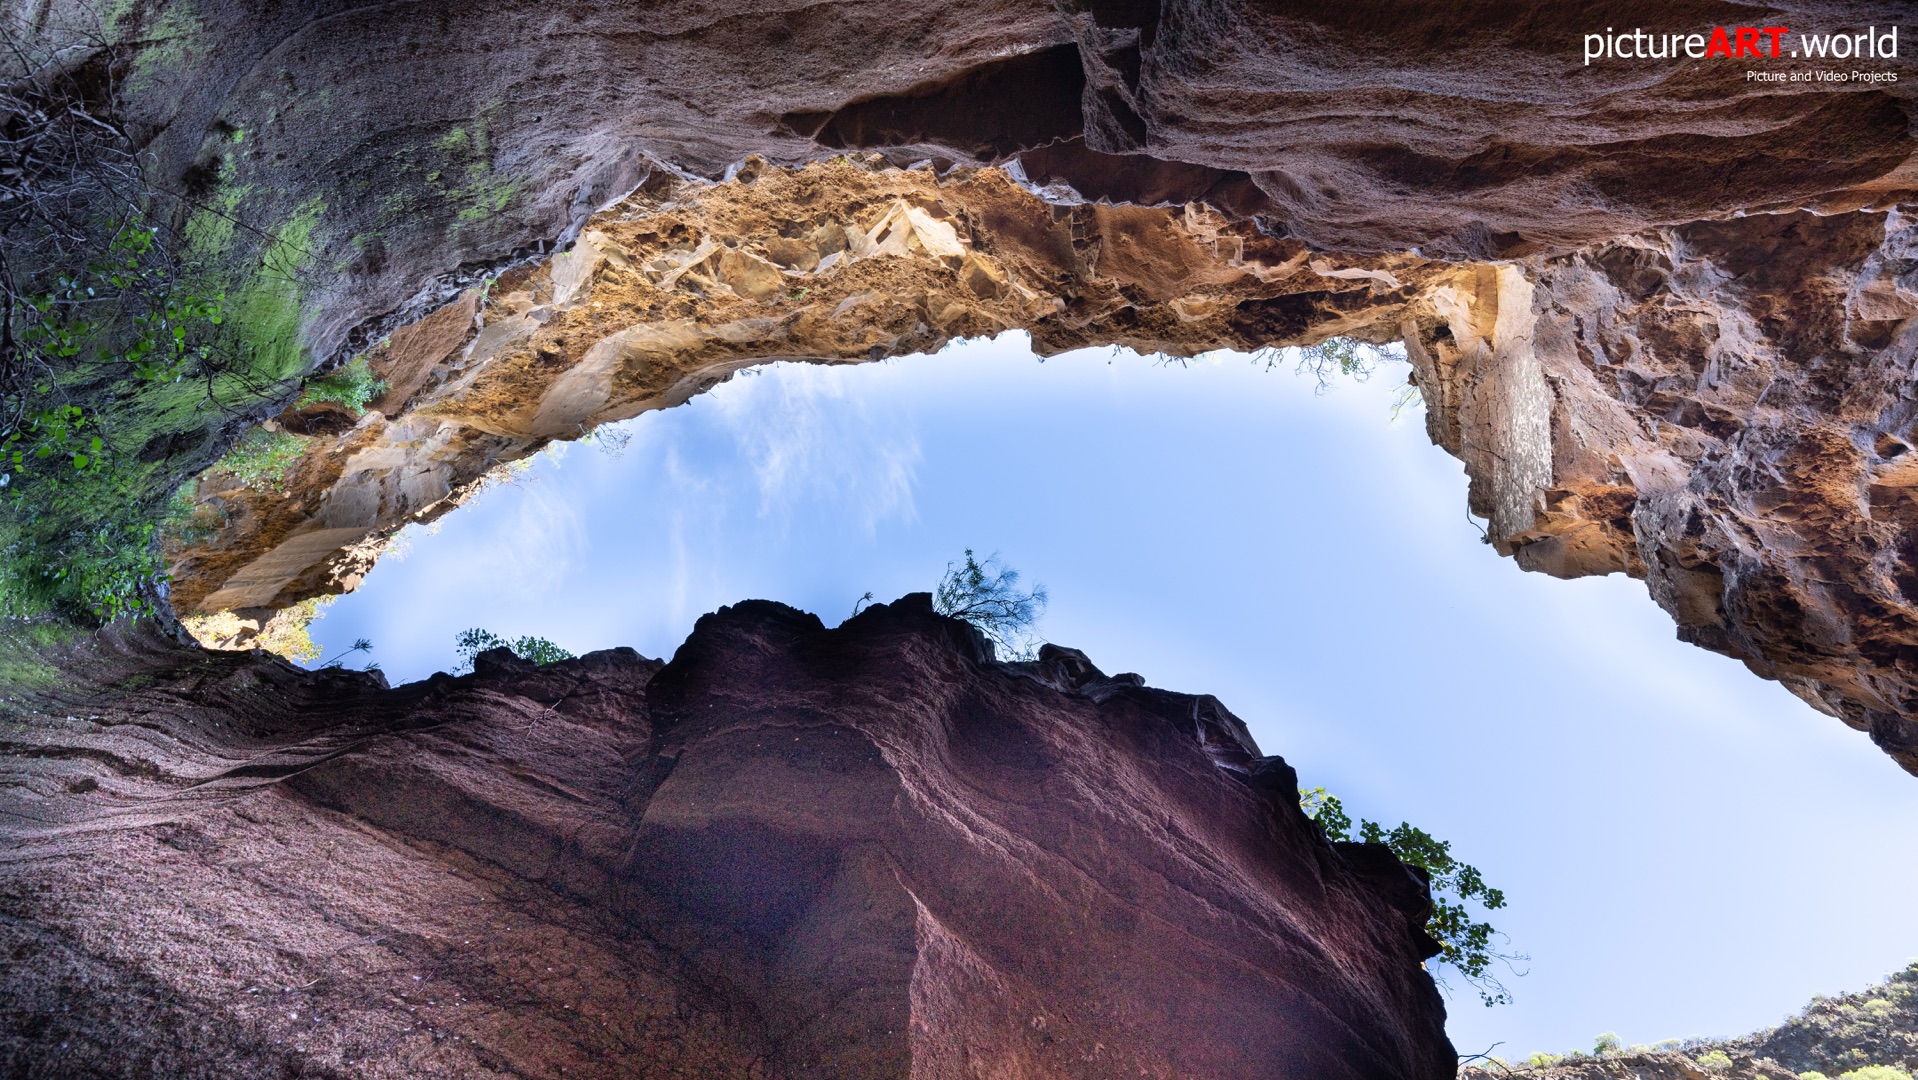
point(1662, 313)
point(870, 851)
point(412, 141)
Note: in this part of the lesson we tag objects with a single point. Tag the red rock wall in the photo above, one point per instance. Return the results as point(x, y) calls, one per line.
point(791, 852)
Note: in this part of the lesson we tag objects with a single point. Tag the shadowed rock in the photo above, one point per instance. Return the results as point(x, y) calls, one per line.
point(862, 852)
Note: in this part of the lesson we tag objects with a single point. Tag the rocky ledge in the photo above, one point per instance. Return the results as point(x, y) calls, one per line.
point(869, 851)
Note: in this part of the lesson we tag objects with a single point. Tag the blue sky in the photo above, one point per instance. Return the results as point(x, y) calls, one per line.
point(1687, 850)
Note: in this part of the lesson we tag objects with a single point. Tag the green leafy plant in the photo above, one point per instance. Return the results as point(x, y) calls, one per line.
point(987, 595)
point(262, 458)
point(352, 386)
point(470, 643)
point(1339, 356)
point(122, 358)
point(1465, 943)
point(189, 521)
point(360, 645)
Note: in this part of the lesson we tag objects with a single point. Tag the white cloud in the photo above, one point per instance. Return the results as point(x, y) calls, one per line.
point(806, 437)
point(535, 549)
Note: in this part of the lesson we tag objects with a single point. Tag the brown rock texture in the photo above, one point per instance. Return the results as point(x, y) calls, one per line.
point(1722, 409)
point(430, 136)
point(870, 851)
point(679, 286)
point(1650, 355)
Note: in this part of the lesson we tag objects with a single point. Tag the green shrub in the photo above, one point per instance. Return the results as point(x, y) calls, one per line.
point(189, 521)
point(1715, 1060)
point(1608, 1043)
point(352, 386)
point(470, 643)
point(987, 595)
point(1464, 942)
point(1876, 1072)
point(79, 541)
point(263, 458)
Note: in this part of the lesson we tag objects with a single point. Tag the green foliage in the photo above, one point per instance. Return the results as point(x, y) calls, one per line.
point(124, 312)
point(80, 539)
point(56, 432)
point(1715, 1060)
point(987, 595)
point(23, 643)
point(1608, 1043)
point(266, 312)
point(470, 643)
point(123, 357)
point(189, 521)
point(360, 645)
point(1339, 356)
point(1876, 1072)
point(352, 385)
point(1465, 943)
point(262, 459)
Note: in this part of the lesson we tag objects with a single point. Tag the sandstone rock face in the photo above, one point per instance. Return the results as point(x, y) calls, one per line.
point(1722, 409)
point(429, 135)
point(791, 852)
point(1650, 358)
point(678, 287)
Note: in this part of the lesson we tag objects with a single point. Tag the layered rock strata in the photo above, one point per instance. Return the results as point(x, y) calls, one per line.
point(430, 135)
point(791, 852)
point(1651, 357)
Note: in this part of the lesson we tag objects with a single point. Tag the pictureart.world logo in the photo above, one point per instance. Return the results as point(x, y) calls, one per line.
point(1742, 42)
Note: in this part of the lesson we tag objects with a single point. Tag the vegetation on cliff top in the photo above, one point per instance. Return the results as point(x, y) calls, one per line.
point(1466, 944)
point(987, 595)
point(1868, 1035)
point(470, 643)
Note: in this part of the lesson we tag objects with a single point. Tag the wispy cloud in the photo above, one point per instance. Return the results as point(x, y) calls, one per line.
point(533, 553)
point(809, 438)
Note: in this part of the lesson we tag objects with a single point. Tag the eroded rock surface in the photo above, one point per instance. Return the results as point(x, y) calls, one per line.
point(1723, 408)
point(680, 286)
point(1651, 357)
point(791, 852)
point(427, 135)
